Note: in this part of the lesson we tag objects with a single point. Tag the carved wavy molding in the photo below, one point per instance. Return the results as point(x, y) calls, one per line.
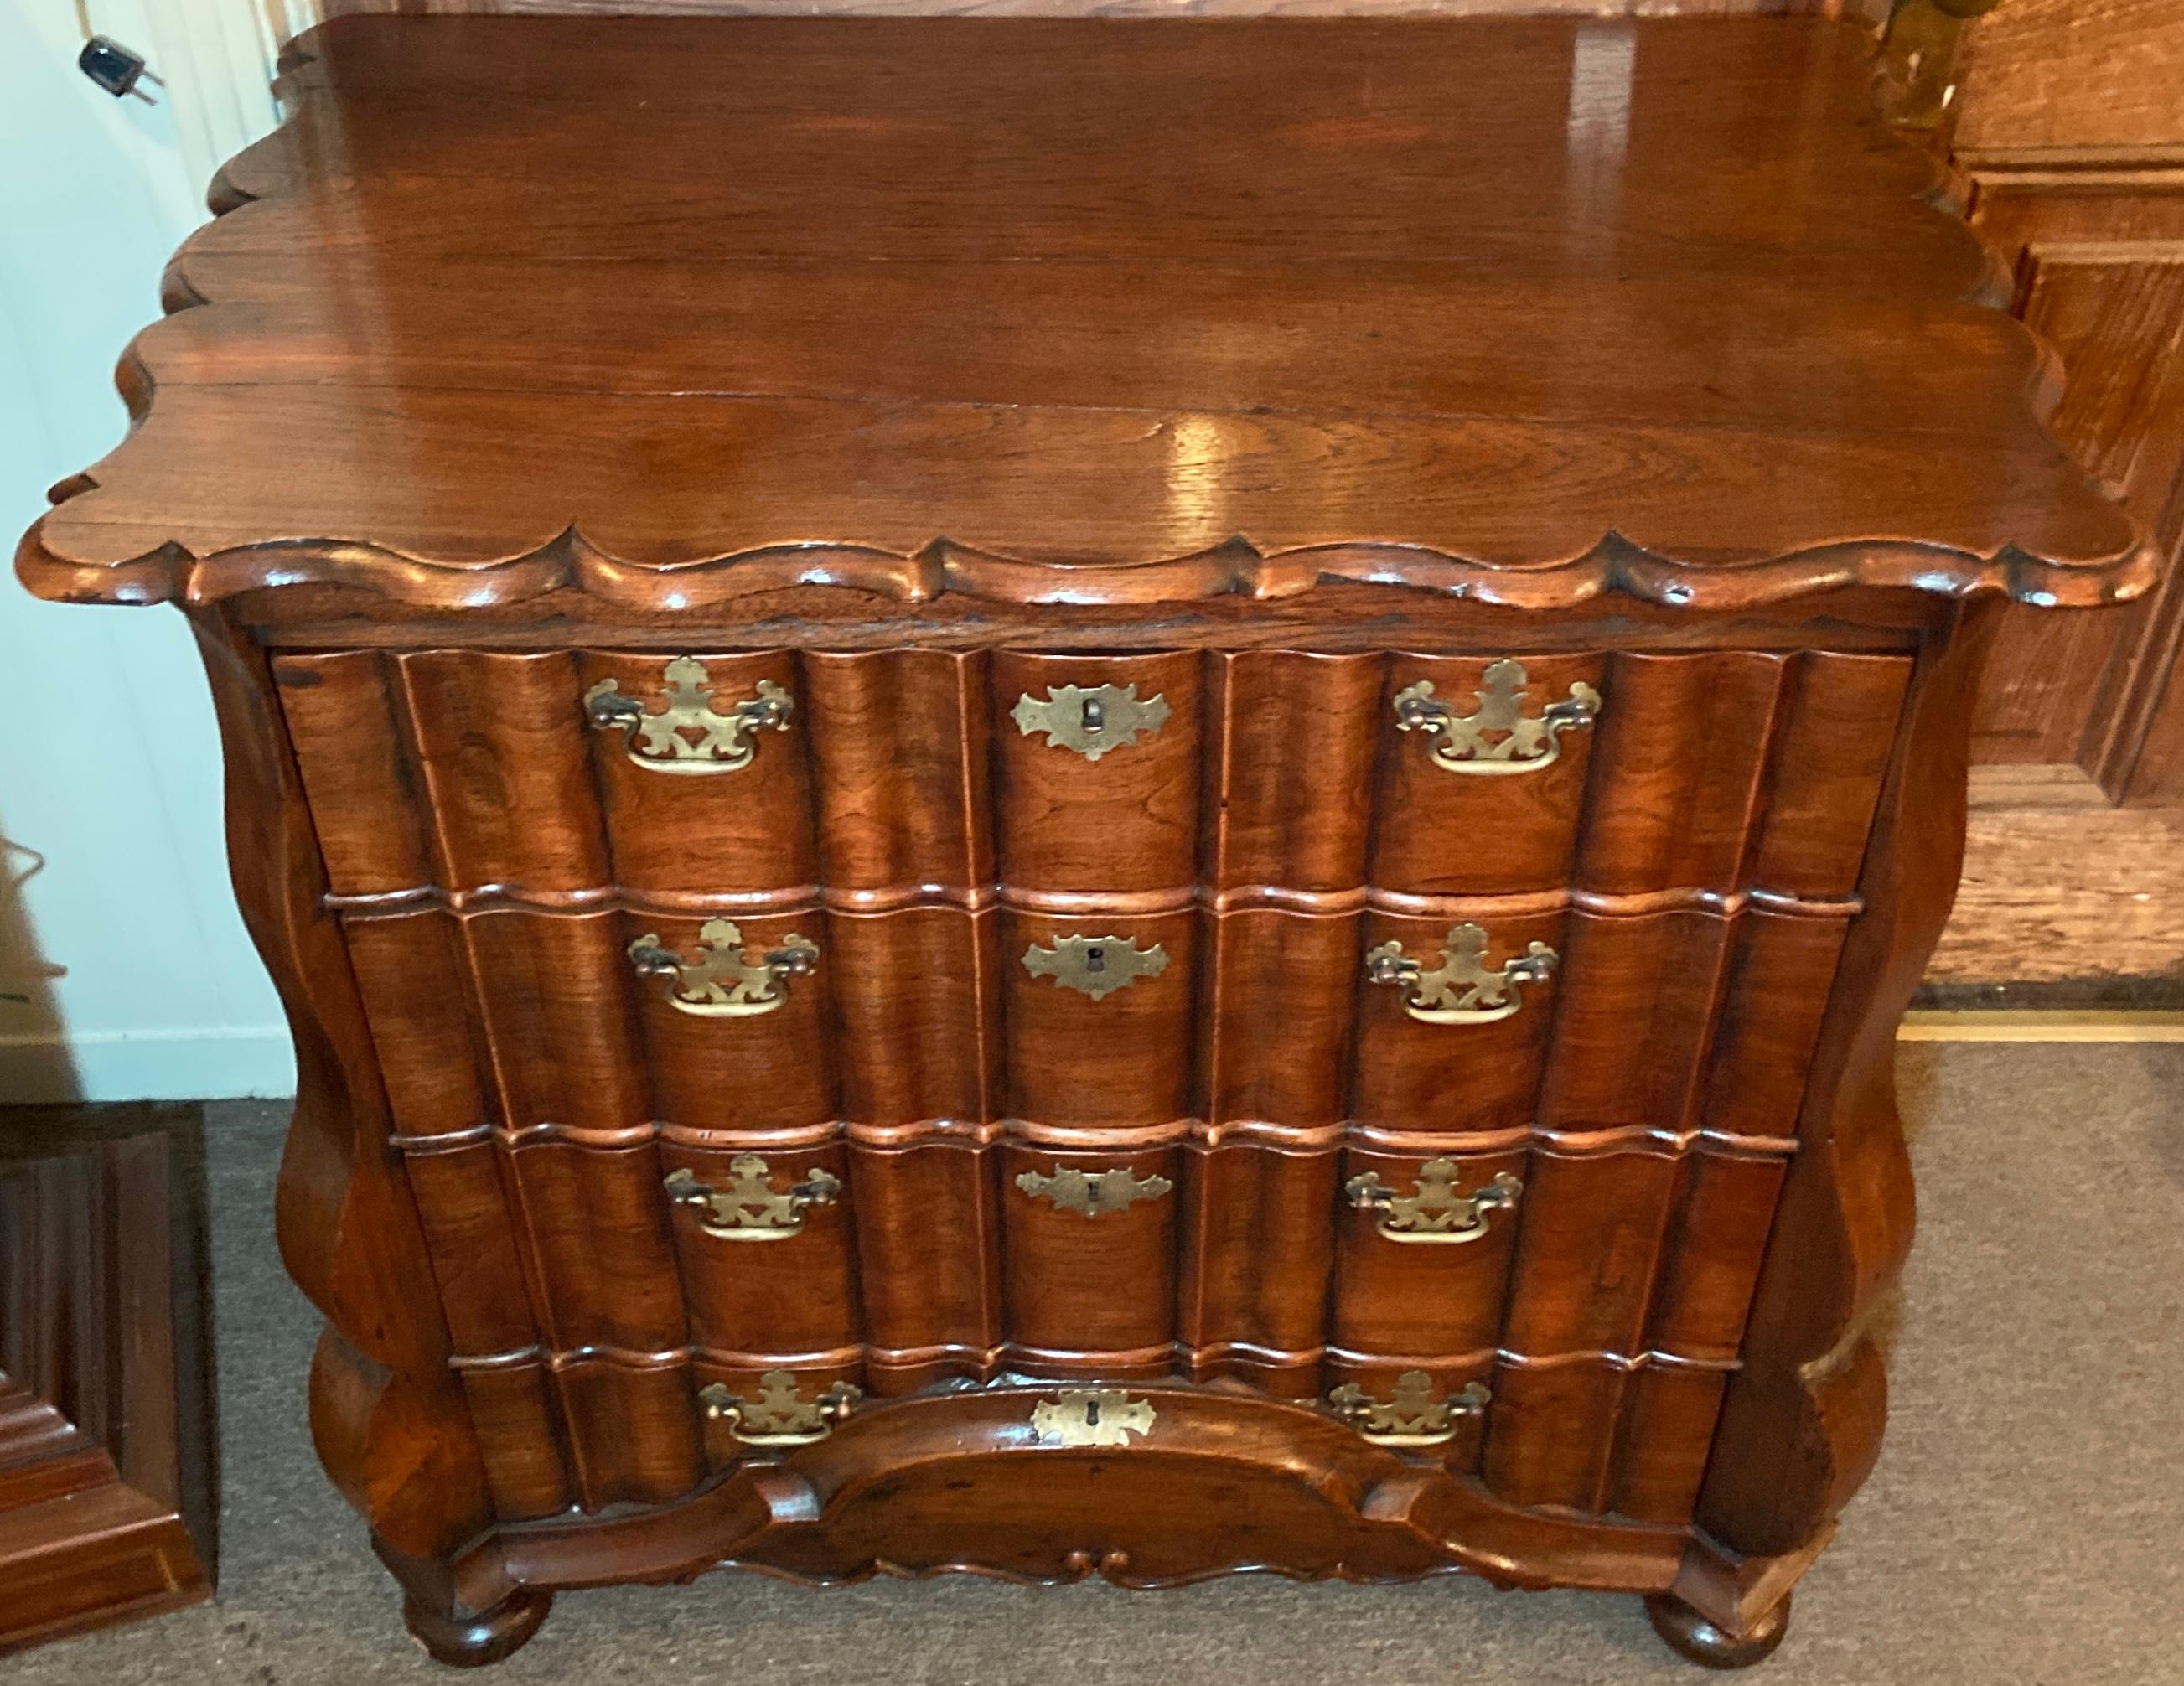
point(1069, 1364)
point(758, 1515)
point(845, 904)
point(1198, 1134)
point(569, 563)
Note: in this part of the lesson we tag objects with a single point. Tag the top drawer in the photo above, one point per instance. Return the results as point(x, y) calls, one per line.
point(1279, 777)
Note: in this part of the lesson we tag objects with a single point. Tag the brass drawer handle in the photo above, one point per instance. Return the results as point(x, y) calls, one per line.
point(1095, 966)
point(748, 1209)
point(1460, 990)
point(1411, 1416)
point(728, 981)
point(1091, 1416)
point(1091, 721)
point(1497, 738)
point(689, 735)
point(779, 1416)
point(1436, 1213)
point(1093, 1194)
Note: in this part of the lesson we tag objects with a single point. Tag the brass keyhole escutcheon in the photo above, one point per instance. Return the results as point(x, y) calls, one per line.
point(1093, 721)
point(1091, 1416)
point(1096, 967)
point(1093, 1192)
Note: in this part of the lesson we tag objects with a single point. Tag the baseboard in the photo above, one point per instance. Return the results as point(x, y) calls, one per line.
point(179, 1065)
point(2052, 1025)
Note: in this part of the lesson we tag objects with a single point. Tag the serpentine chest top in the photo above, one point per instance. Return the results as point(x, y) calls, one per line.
point(1088, 798)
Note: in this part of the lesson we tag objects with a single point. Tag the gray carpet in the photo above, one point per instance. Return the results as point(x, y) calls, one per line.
point(2025, 1526)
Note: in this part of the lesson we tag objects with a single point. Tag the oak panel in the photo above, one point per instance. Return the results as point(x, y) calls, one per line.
point(351, 747)
point(1128, 821)
point(1282, 992)
point(1125, 1059)
point(1257, 1251)
point(916, 1002)
point(766, 1071)
point(1443, 832)
point(900, 747)
point(1289, 785)
point(928, 1246)
point(795, 1294)
point(1084, 1287)
point(1434, 1300)
point(739, 832)
point(1634, 1021)
point(1835, 746)
point(1678, 769)
point(504, 751)
point(1589, 1238)
point(1416, 1075)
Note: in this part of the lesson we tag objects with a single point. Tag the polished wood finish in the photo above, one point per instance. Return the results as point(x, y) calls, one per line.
point(1163, 397)
point(2071, 140)
point(107, 1511)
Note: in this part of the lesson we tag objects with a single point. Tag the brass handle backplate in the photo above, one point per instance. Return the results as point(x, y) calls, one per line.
point(689, 735)
point(1091, 721)
point(1460, 990)
point(748, 1209)
point(1411, 1416)
point(728, 981)
point(1436, 1213)
point(1092, 1193)
point(1498, 738)
point(1091, 1416)
point(1095, 966)
point(779, 1416)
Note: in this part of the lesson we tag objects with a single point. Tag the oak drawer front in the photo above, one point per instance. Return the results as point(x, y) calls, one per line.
point(886, 777)
point(1074, 1065)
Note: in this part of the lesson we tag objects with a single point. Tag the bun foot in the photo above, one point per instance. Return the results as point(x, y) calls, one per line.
point(1690, 1634)
point(462, 1639)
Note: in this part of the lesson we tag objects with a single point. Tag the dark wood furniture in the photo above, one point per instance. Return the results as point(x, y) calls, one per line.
point(2069, 137)
point(1092, 799)
point(106, 1503)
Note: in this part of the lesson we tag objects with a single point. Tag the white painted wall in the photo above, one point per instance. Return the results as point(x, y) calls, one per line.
point(125, 972)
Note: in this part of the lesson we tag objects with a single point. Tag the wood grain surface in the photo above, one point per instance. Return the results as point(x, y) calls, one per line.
point(1261, 372)
point(1190, 289)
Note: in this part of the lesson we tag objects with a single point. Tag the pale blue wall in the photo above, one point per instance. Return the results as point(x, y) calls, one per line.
point(120, 928)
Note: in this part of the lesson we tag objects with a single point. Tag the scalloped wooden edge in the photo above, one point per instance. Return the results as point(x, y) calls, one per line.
point(1614, 566)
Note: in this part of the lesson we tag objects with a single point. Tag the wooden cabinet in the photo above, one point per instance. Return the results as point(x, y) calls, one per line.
point(1204, 862)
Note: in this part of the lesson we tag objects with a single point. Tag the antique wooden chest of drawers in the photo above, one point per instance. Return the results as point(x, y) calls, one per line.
point(1081, 799)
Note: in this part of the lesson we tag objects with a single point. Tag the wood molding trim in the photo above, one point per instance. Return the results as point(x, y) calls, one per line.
point(107, 1510)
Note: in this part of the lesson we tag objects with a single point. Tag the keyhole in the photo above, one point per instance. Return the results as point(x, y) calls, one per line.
point(1096, 958)
point(1095, 714)
point(1091, 1413)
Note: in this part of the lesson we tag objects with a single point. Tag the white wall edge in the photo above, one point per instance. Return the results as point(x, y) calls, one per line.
point(229, 1063)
